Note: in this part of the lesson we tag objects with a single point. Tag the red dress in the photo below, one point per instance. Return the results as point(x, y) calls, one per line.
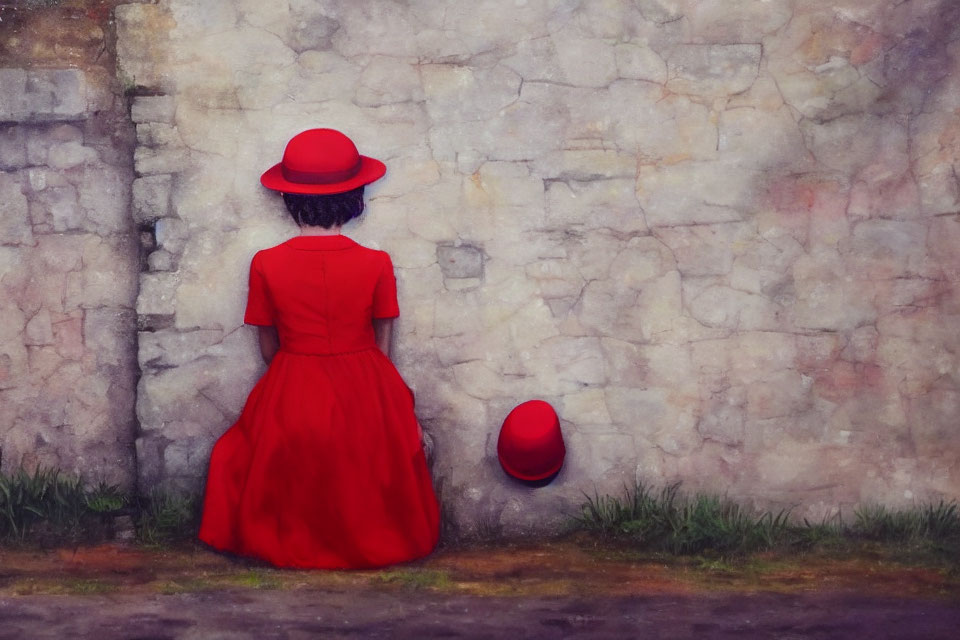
point(324, 467)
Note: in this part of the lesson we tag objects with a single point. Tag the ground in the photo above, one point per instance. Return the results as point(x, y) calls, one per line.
point(558, 589)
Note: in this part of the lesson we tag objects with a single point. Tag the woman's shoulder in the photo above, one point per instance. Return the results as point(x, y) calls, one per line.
point(374, 254)
point(263, 254)
point(264, 259)
point(270, 250)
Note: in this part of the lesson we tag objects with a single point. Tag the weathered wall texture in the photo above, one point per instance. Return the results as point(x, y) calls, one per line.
point(719, 236)
point(68, 250)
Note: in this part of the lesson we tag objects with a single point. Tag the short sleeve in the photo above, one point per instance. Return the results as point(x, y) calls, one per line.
point(259, 308)
point(385, 294)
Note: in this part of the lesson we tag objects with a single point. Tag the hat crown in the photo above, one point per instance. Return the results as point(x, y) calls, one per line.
point(530, 445)
point(320, 156)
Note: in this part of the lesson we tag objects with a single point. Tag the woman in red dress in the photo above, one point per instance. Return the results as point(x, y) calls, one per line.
point(325, 466)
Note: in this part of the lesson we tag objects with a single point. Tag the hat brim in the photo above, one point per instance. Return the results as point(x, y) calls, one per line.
point(532, 477)
point(371, 169)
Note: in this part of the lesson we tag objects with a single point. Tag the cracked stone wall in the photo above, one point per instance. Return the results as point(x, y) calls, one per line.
point(717, 235)
point(68, 251)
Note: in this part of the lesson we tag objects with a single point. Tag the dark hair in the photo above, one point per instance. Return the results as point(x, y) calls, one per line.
point(327, 210)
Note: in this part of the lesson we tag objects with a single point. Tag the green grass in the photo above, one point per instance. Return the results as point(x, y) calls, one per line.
point(188, 585)
point(255, 579)
point(668, 521)
point(415, 579)
point(830, 532)
point(106, 497)
point(87, 586)
point(44, 497)
point(939, 522)
point(48, 507)
point(167, 517)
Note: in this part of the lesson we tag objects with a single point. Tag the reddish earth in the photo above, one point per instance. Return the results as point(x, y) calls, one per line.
point(544, 568)
point(546, 590)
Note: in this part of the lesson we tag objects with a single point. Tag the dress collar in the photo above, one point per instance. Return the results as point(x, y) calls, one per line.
point(320, 243)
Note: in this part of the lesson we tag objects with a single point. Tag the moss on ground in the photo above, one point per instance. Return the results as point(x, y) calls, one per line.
point(415, 578)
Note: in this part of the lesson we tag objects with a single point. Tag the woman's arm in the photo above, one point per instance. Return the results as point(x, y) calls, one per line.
point(383, 332)
point(269, 342)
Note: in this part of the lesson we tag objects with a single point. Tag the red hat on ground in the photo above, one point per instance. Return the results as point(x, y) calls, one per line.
point(321, 161)
point(530, 446)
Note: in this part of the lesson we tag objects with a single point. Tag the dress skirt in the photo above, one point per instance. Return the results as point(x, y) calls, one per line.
point(323, 468)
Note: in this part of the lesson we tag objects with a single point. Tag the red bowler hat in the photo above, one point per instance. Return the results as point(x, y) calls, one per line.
point(321, 161)
point(530, 446)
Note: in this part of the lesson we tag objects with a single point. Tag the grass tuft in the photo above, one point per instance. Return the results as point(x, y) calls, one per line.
point(669, 521)
point(939, 523)
point(43, 502)
point(105, 498)
point(167, 517)
point(828, 533)
point(47, 507)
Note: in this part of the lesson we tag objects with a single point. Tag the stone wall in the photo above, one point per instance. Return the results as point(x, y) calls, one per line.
point(68, 250)
point(717, 235)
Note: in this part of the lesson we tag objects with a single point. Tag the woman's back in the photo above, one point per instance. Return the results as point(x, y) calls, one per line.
point(321, 292)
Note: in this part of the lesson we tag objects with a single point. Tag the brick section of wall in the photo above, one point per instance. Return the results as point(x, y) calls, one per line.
point(68, 246)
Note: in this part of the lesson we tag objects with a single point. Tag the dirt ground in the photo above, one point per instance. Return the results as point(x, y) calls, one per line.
point(560, 589)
